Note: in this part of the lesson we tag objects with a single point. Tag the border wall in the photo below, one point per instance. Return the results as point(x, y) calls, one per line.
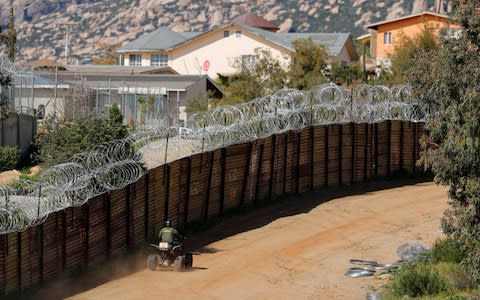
point(202, 186)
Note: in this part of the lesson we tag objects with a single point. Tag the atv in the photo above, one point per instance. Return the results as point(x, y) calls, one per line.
point(170, 256)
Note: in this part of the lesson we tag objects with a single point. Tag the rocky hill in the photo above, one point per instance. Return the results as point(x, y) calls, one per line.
point(93, 25)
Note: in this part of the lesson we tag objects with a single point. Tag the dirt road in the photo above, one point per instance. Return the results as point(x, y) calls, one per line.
point(296, 249)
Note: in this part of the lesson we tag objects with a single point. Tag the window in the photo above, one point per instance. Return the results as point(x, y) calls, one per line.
point(387, 38)
point(226, 33)
point(159, 60)
point(238, 33)
point(135, 60)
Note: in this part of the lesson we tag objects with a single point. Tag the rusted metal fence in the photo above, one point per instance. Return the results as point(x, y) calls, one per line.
point(202, 186)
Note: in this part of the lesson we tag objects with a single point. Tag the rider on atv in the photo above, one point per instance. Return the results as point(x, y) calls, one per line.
point(169, 234)
point(169, 252)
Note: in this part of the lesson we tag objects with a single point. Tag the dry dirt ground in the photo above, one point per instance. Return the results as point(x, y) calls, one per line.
point(298, 248)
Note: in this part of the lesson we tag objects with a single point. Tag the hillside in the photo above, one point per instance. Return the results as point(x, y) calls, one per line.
point(95, 24)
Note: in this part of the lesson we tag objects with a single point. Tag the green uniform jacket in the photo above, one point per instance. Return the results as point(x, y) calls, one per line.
point(168, 234)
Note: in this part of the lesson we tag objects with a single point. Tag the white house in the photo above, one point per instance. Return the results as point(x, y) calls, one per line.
point(214, 52)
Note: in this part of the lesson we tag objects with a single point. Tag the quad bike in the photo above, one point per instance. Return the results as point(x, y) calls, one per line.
point(166, 255)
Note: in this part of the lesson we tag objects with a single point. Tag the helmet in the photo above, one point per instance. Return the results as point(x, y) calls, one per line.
point(168, 223)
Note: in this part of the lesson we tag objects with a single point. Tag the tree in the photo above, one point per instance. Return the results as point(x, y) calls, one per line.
point(200, 103)
point(446, 80)
point(11, 37)
point(115, 115)
point(404, 54)
point(9, 157)
point(308, 64)
point(56, 144)
point(258, 75)
point(345, 74)
point(5, 82)
point(263, 74)
point(146, 107)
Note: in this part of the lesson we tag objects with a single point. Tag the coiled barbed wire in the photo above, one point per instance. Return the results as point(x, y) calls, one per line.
point(114, 165)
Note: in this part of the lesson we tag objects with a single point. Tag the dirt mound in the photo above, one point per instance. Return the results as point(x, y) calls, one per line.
point(11, 176)
point(8, 177)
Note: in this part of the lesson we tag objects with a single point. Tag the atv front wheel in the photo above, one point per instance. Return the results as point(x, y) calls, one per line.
point(152, 262)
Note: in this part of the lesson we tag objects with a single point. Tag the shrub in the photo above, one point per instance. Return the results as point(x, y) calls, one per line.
point(58, 143)
point(456, 275)
point(8, 158)
point(448, 250)
point(418, 279)
point(472, 263)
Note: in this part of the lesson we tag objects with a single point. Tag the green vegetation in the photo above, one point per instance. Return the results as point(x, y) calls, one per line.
point(258, 75)
point(448, 250)
point(9, 38)
point(404, 54)
point(309, 64)
point(446, 80)
point(346, 75)
point(262, 74)
point(9, 157)
point(418, 279)
point(5, 81)
point(439, 275)
point(201, 103)
point(145, 104)
point(58, 143)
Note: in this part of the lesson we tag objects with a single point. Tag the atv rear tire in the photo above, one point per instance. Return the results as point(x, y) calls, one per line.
point(188, 260)
point(152, 262)
point(179, 263)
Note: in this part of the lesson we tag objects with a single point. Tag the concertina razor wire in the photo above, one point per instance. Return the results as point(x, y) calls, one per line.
point(116, 164)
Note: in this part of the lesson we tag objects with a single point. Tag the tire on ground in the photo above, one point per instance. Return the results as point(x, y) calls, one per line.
point(179, 263)
point(188, 260)
point(152, 262)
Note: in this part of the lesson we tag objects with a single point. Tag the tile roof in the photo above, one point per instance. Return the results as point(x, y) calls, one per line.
point(44, 63)
point(254, 21)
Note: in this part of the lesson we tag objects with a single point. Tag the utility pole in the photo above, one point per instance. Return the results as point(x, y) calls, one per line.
point(67, 38)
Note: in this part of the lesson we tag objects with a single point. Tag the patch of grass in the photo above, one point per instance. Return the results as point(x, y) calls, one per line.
point(417, 280)
point(424, 280)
